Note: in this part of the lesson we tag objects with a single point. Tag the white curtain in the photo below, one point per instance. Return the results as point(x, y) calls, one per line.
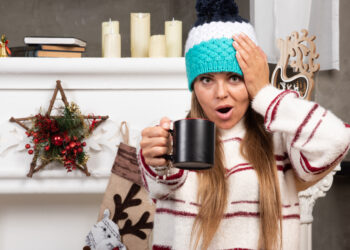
point(275, 19)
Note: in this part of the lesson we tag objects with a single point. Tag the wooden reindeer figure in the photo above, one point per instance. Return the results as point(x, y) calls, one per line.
point(302, 62)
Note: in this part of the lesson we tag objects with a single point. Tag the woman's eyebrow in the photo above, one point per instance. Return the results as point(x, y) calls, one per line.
point(232, 74)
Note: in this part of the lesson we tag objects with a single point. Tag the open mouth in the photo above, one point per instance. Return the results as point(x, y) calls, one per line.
point(224, 110)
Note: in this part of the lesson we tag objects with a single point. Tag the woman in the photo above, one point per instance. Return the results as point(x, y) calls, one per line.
point(266, 138)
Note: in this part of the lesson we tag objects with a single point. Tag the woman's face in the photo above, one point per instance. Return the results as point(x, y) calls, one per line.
point(223, 97)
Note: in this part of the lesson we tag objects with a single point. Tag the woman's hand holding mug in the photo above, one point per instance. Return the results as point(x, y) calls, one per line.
point(192, 143)
point(156, 142)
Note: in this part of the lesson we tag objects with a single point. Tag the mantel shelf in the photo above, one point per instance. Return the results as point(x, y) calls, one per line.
point(92, 65)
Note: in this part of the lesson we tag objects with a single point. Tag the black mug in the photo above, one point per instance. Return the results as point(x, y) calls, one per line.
point(193, 144)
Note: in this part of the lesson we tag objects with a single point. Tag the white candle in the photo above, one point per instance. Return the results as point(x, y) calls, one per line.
point(111, 43)
point(140, 34)
point(173, 35)
point(112, 46)
point(107, 28)
point(157, 47)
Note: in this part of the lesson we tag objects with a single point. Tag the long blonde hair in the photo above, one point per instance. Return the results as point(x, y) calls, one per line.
point(257, 148)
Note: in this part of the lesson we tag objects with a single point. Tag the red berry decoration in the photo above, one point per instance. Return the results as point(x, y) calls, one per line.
point(27, 146)
point(30, 151)
point(80, 150)
point(83, 144)
point(36, 141)
point(57, 140)
point(47, 148)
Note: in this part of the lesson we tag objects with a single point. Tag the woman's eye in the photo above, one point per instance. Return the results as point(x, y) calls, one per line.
point(205, 79)
point(235, 78)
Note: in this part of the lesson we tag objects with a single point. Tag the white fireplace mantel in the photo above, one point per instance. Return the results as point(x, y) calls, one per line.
point(137, 90)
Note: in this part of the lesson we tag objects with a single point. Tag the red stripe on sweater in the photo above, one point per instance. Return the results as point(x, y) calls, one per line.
point(232, 139)
point(164, 197)
point(279, 168)
point(291, 216)
point(160, 180)
point(274, 111)
point(174, 212)
point(245, 201)
point(195, 204)
point(314, 130)
point(313, 133)
point(281, 157)
point(145, 165)
point(273, 102)
point(178, 175)
point(238, 249)
point(320, 169)
point(176, 200)
point(257, 202)
point(241, 214)
point(144, 180)
point(302, 125)
point(226, 216)
point(239, 170)
point(183, 182)
point(160, 247)
point(236, 166)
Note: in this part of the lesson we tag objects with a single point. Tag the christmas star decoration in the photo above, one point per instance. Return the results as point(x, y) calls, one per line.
point(59, 137)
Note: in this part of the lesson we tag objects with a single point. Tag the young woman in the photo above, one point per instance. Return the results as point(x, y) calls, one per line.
point(266, 140)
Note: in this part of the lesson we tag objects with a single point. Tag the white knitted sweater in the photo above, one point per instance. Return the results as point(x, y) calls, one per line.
point(307, 141)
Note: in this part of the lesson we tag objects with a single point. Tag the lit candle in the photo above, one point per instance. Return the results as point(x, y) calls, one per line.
point(111, 43)
point(106, 29)
point(157, 47)
point(173, 36)
point(140, 34)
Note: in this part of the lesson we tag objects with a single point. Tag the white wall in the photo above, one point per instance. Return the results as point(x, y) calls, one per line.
point(46, 221)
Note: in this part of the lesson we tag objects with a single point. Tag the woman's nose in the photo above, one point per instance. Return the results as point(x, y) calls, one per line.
point(221, 90)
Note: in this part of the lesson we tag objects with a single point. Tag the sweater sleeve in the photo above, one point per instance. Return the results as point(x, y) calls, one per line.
point(158, 185)
point(314, 138)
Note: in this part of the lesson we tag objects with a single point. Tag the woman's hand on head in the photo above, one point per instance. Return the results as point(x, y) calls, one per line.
point(155, 142)
point(253, 63)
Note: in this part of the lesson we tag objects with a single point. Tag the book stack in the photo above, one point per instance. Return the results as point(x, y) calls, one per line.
point(50, 47)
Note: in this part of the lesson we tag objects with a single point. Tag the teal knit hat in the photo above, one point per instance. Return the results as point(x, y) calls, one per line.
point(209, 47)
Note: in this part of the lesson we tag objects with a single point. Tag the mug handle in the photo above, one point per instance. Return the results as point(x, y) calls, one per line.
point(166, 156)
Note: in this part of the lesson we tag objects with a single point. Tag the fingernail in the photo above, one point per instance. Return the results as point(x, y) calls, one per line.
point(166, 125)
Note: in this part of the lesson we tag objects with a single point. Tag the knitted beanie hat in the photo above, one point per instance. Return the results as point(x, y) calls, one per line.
point(209, 47)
